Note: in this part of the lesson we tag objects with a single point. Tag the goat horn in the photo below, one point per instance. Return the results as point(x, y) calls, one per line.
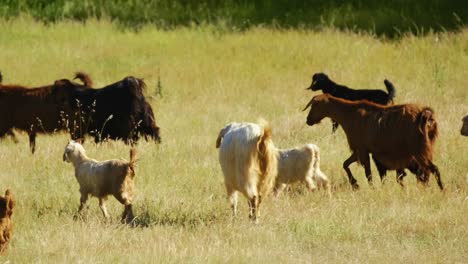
point(307, 106)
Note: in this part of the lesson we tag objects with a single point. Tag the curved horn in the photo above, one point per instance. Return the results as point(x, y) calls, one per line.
point(308, 104)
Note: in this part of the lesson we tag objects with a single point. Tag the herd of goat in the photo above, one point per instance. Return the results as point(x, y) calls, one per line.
point(398, 137)
point(116, 111)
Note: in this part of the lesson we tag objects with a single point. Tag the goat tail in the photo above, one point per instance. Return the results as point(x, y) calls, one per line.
point(132, 162)
point(221, 134)
point(390, 90)
point(428, 125)
point(84, 78)
point(267, 159)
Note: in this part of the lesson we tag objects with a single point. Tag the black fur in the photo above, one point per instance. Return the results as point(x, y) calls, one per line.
point(116, 111)
point(321, 81)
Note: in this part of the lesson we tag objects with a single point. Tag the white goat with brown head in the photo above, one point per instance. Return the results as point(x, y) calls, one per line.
point(103, 178)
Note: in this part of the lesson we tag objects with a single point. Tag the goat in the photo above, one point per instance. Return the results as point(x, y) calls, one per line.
point(300, 164)
point(7, 203)
point(321, 81)
point(33, 110)
point(248, 159)
point(103, 178)
point(398, 136)
point(10, 132)
point(464, 129)
point(116, 111)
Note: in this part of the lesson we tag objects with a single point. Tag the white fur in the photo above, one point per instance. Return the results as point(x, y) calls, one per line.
point(300, 164)
point(240, 159)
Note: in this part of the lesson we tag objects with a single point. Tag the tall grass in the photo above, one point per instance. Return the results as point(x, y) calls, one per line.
point(390, 18)
point(208, 79)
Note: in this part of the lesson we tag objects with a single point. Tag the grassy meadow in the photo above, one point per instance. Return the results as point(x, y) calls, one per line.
point(209, 78)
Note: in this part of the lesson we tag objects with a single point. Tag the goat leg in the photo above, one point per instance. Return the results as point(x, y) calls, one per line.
point(349, 161)
point(400, 175)
point(102, 205)
point(127, 215)
point(83, 199)
point(32, 141)
point(436, 173)
point(253, 207)
point(367, 169)
point(279, 187)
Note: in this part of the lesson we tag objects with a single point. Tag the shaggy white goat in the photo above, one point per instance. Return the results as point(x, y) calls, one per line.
point(300, 164)
point(103, 178)
point(248, 159)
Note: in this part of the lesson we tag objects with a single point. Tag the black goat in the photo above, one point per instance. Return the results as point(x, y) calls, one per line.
point(116, 111)
point(321, 81)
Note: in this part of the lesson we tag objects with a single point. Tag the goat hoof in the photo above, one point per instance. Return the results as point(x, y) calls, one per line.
point(355, 186)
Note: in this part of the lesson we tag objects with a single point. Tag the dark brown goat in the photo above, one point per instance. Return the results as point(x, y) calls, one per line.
point(34, 110)
point(398, 136)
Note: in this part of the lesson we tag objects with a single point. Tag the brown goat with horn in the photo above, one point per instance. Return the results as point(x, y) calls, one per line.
point(398, 136)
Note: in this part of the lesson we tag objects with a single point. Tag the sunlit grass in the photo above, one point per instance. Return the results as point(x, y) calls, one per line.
point(208, 80)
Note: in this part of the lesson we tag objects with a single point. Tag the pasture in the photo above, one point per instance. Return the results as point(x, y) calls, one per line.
point(209, 78)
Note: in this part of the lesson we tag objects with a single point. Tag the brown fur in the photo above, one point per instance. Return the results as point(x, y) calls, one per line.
point(398, 136)
point(42, 109)
point(84, 78)
point(103, 178)
point(267, 157)
point(7, 203)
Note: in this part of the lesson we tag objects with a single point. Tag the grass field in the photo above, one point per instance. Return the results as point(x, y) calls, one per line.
point(210, 78)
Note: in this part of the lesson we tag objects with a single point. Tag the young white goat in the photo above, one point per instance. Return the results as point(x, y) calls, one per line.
point(248, 159)
point(300, 164)
point(103, 178)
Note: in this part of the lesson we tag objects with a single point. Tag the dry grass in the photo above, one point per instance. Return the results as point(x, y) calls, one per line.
point(210, 79)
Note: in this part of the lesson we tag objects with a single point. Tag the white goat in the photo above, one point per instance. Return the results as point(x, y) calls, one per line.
point(300, 164)
point(248, 159)
point(103, 178)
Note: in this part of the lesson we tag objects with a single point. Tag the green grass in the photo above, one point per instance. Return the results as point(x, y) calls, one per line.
point(383, 17)
point(211, 78)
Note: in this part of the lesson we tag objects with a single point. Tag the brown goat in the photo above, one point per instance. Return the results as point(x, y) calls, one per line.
point(398, 136)
point(36, 110)
point(7, 204)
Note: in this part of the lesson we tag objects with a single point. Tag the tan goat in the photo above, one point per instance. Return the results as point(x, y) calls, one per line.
point(103, 178)
point(300, 164)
